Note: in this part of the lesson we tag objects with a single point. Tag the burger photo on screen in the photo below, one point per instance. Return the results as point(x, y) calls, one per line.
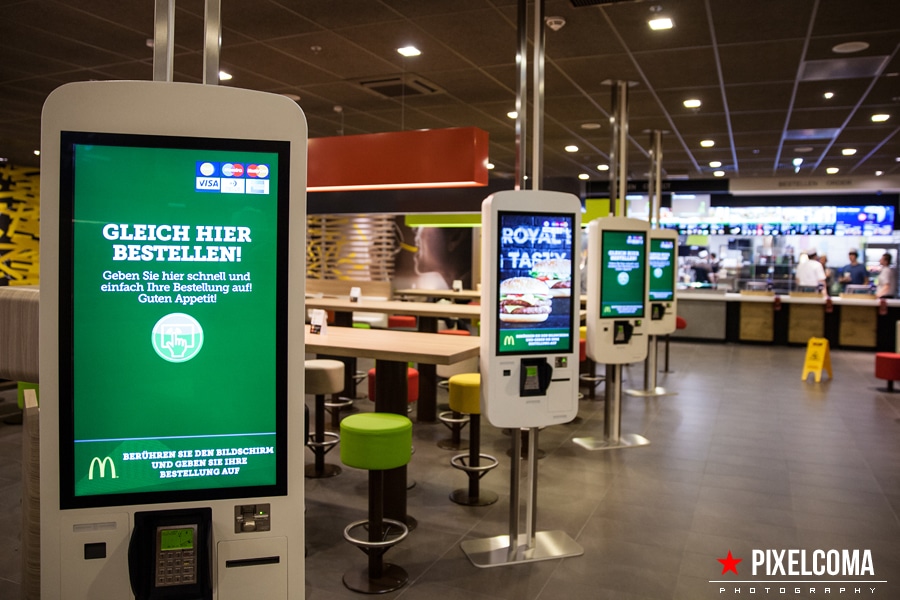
point(556, 273)
point(524, 300)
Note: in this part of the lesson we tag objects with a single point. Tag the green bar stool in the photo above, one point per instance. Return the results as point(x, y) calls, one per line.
point(376, 442)
point(465, 398)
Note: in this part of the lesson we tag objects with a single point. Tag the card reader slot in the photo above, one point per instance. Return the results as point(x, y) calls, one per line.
point(563, 379)
point(252, 562)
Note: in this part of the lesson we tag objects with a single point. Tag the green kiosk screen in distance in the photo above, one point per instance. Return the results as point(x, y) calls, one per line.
point(622, 274)
point(172, 318)
point(662, 269)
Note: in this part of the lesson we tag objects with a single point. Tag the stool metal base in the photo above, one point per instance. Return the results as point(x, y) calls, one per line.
point(495, 551)
point(626, 440)
point(651, 393)
point(484, 498)
point(329, 470)
point(392, 578)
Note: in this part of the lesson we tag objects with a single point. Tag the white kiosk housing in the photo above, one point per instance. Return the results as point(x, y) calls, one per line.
point(171, 342)
point(617, 313)
point(529, 354)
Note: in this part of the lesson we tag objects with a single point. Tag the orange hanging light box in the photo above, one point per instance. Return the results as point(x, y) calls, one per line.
point(426, 158)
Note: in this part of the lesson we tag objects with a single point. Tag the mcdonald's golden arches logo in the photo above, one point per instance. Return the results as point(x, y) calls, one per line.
point(102, 463)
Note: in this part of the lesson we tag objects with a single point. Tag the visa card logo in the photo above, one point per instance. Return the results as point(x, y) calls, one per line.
point(231, 178)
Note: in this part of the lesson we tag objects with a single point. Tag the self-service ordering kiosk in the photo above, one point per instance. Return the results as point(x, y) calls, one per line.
point(172, 245)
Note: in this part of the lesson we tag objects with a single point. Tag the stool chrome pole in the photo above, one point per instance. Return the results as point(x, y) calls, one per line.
point(612, 424)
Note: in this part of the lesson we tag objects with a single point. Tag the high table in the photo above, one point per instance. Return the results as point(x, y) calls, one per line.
point(453, 295)
point(427, 313)
point(392, 350)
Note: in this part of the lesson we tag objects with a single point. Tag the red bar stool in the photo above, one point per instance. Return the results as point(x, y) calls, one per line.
point(887, 366)
point(402, 322)
point(412, 385)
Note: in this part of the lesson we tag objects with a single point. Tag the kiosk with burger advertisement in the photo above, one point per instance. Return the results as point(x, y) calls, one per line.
point(529, 353)
point(617, 314)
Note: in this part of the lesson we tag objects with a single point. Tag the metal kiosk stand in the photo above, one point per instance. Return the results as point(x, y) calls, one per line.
point(661, 264)
point(617, 315)
point(529, 362)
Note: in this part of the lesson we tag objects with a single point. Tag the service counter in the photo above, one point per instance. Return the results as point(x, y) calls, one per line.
point(763, 317)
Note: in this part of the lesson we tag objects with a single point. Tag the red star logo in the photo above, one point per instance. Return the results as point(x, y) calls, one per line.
point(729, 563)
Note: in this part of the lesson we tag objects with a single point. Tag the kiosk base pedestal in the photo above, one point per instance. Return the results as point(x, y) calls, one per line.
point(628, 440)
point(651, 393)
point(496, 552)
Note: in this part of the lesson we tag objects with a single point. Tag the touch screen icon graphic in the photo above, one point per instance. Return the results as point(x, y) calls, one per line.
point(177, 337)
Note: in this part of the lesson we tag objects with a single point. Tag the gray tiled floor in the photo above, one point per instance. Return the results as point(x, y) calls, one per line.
point(746, 456)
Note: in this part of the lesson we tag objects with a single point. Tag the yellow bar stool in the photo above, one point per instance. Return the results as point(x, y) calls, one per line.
point(323, 376)
point(376, 442)
point(465, 398)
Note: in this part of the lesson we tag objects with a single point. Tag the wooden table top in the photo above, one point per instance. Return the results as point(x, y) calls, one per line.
point(449, 294)
point(400, 346)
point(396, 307)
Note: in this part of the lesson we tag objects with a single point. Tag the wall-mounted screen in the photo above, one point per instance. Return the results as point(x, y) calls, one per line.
point(173, 318)
point(865, 220)
point(534, 279)
point(662, 269)
point(622, 274)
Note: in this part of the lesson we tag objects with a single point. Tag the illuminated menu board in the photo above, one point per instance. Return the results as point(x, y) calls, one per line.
point(173, 313)
point(662, 269)
point(622, 274)
point(534, 283)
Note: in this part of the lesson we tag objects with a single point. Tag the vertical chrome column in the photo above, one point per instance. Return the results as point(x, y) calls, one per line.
point(618, 163)
point(537, 152)
point(655, 177)
point(521, 88)
point(163, 39)
point(212, 42)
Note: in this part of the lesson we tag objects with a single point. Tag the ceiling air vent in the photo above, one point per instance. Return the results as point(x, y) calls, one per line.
point(397, 86)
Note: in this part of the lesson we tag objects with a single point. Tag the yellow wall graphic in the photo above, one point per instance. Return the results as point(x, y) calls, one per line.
point(20, 225)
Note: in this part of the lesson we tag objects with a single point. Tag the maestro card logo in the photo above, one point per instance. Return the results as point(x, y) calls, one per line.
point(800, 573)
point(177, 337)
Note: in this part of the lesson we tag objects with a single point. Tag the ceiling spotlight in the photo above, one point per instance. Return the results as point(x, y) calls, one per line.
point(583, 176)
point(692, 103)
point(408, 51)
point(797, 162)
point(828, 95)
point(571, 148)
point(512, 114)
point(660, 23)
point(879, 173)
point(850, 47)
point(490, 165)
point(606, 167)
point(848, 151)
point(718, 173)
point(715, 164)
point(555, 23)
point(37, 152)
point(224, 76)
point(880, 118)
point(707, 143)
point(590, 126)
point(832, 170)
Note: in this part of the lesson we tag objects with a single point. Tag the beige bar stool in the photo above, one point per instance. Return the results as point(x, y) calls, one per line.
point(323, 377)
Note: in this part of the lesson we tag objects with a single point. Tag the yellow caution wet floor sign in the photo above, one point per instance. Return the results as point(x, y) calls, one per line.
point(818, 357)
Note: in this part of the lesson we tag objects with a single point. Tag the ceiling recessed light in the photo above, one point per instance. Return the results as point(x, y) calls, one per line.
point(606, 167)
point(715, 164)
point(37, 152)
point(660, 23)
point(490, 165)
point(692, 103)
point(293, 97)
point(224, 76)
point(879, 173)
point(848, 151)
point(583, 176)
point(512, 114)
point(828, 95)
point(803, 149)
point(797, 162)
point(718, 173)
point(850, 47)
point(408, 51)
point(571, 148)
point(880, 118)
point(832, 170)
point(707, 143)
point(590, 126)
